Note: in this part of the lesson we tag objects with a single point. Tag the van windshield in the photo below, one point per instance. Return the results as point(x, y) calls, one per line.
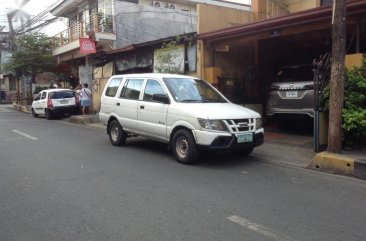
point(191, 90)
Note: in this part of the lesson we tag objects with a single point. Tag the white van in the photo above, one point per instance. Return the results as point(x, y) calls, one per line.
point(186, 112)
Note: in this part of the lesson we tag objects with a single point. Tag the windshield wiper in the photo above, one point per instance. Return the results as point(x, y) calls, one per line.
point(213, 101)
point(190, 100)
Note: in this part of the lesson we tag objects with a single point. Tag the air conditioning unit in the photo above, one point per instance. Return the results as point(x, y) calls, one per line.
point(172, 6)
point(158, 4)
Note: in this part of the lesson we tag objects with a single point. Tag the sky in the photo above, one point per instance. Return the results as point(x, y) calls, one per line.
point(35, 7)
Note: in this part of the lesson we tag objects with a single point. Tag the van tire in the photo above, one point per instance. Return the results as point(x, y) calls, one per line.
point(117, 135)
point(184, 147)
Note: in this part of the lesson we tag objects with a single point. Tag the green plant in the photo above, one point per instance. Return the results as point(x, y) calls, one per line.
point(354, 107)
point(354, 110)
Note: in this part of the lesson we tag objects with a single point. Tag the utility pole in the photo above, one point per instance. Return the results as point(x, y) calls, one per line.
point(10, 16)
point(337, 76)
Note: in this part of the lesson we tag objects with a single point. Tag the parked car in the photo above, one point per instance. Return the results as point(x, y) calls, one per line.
point(186, 112)
point(291, 93)
point(54, 102)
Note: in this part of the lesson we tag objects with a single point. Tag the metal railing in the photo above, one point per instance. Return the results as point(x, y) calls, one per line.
point(96, 23)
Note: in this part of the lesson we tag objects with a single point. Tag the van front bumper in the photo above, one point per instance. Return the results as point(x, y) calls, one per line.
point(226, 141)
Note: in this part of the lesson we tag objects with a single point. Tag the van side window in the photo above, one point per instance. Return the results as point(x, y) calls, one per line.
point(132, 88)
point(43, 96)
point(152, 87)
point(112, 88)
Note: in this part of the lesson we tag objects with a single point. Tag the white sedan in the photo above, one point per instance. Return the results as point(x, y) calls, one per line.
point(52, 102)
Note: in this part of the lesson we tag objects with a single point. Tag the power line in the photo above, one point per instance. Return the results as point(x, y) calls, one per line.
point(38, 17)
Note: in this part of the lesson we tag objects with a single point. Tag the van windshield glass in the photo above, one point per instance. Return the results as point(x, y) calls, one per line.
point(191, 90)
point(295, 74)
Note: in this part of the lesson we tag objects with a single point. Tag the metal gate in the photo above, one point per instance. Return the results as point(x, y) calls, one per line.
point(322, 67)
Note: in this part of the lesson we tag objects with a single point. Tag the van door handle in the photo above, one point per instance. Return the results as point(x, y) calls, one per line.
point(142, 107)
point(118, 103)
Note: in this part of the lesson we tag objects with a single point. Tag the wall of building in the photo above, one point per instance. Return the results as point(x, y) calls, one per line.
point(136, 23)
point(264, 9)
point(296, 5)
point(178, 5)
point(208, 19)
point(101, 76)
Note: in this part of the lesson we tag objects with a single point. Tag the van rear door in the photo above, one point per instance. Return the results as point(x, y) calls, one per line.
point(128, 102)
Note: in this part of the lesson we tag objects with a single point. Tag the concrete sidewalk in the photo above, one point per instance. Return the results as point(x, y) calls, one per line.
point(283, 148)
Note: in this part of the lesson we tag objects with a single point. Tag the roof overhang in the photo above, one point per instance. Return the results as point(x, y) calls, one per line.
point(184, 37)
point(295, 20)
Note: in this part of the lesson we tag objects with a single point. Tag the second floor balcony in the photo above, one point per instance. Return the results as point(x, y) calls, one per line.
point(98, 26)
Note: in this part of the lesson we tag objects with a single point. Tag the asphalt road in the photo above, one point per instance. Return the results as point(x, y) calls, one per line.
point(62, 181)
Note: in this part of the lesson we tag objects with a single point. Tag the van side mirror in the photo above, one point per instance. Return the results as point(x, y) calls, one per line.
point(163, 98)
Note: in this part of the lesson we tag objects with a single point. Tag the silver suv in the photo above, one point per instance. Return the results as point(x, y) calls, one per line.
point(292, 93)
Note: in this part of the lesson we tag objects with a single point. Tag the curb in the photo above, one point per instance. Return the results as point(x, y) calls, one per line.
point(21, 108)
point(84, 119)
point(338, 164)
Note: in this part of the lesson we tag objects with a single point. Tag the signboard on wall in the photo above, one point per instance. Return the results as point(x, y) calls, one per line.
point(169, 60)
point(87, 46)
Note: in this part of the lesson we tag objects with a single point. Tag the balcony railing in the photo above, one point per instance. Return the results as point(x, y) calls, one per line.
point(97, 23)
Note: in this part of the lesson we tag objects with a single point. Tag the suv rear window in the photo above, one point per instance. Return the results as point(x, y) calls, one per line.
point(295, 74)
point(61, 94)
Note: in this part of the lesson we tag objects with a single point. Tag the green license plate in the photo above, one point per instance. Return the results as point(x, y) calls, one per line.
point(244, 138)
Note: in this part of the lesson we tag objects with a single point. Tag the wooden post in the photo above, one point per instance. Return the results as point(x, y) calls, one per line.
point(337, 76)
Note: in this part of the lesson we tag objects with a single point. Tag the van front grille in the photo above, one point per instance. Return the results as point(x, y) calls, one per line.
point(240, 125)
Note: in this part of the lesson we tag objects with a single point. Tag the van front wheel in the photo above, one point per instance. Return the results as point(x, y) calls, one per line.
point(184, 147)
point(117, 135)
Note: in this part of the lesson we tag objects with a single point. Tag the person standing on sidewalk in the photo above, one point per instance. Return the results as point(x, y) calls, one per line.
point(85, 99)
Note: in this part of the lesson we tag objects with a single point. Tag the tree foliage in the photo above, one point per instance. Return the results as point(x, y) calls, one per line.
point(32, 54)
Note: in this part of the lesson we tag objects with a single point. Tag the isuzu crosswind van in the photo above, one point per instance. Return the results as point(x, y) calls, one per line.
point(185, 112)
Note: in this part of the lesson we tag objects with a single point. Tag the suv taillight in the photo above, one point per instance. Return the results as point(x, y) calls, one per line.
point(49, 103)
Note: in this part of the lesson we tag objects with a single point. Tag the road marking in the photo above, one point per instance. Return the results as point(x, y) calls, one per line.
point(26, 135)
point(257, 228)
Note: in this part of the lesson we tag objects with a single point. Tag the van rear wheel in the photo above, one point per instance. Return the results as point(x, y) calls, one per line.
point(117, 135)
point(184, 147)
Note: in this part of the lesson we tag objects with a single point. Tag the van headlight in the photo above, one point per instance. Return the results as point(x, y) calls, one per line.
point(217, 125)
point(258, 123)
